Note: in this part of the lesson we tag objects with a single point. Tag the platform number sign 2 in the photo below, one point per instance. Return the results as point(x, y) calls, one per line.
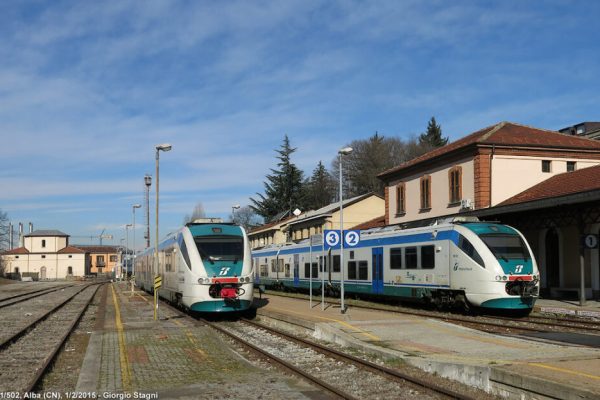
point(351, 238)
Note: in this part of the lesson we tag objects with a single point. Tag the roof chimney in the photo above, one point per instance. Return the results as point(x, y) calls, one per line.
point(30, 227)
point(21, 239)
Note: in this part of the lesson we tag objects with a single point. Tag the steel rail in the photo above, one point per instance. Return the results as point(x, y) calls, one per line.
point(293, 369)
point(32, 295)
point(41, 371)
point(29, 326)
point(379, 369)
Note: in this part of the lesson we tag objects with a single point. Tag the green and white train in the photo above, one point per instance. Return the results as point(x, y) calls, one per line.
point(205, 267)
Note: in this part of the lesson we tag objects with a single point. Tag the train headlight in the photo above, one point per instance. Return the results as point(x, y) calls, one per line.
point(498, 278)
point(504, 278)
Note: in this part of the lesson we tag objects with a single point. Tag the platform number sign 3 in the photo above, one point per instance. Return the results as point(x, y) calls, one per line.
point(332, 238)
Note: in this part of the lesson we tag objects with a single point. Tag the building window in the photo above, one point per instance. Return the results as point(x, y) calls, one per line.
point(113, 258)
point(16, 256)
point(455, 184)
point(400, 199)
point(70, 271)
point(426, 192)
point(546, 165)
point(43, 256)
point(571, 166)
point(70, 256)
point(43, 243)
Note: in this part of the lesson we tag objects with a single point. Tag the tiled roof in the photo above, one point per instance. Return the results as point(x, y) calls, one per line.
point(18, 250)
point(46, 232)
point(266, 227)
point(70, 250)
point(583, 180)
point(373, 223)
point(97, 249)
point(505, 134)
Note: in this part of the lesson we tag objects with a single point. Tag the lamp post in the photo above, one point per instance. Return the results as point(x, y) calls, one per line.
point(159, 148)
point(134, 250)
point(126, 246)
point(233, 208)
point(122, 260)
point(342, 152)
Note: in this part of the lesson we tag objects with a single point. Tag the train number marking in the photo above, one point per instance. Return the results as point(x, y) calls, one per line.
point(224, 271)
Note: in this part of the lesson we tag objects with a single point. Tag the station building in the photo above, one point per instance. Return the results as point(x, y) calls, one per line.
point(493, 173)
point(357, 210)
point(45, 255)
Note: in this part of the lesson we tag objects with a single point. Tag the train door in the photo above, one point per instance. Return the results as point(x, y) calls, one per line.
point(296, 270)
point(377, 275)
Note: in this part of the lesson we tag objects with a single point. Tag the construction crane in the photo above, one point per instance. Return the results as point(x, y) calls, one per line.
point(99, 237)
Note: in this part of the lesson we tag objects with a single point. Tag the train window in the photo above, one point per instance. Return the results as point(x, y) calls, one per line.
point(469, 250)
point(427, 257)
point(352, 255)
point(272, 265)
point(315, 270)
point(264, 270)
point(396, 258)
point(363, 270)
point(306, 270)
point(506, 247)
point(215, 248)
point(184, 253)
point(287, 270)
point(323, 263)
point(411, 257)
point(351, 269)
point(336, 263)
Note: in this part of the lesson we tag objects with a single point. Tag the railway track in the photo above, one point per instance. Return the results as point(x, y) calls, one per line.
point(339, 374)
point(30, 343)
point(21, 297)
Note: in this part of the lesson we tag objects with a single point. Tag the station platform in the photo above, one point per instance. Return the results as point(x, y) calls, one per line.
point(501, 365)
point(132, 356)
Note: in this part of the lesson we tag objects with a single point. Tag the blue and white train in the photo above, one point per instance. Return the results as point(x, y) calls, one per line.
point(479, 264)
point(205, 267)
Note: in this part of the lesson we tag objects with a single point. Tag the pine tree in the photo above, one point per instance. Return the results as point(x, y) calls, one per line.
point(320, 188)
point(432, 138)
point(283, 187)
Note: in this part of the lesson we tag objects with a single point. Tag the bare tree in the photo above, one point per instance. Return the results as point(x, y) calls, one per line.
point(370, 157)
point(197, 213)
point(247, 218)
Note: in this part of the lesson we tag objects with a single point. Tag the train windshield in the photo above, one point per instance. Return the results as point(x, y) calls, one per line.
point(221, 248)
point(506, 247)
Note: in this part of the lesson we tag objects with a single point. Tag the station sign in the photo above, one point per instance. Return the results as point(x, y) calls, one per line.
point(590, 241)
point(332, 238)
point(351, 238)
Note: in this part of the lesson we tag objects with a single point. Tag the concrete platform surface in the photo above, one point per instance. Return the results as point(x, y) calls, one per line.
point(498, 364)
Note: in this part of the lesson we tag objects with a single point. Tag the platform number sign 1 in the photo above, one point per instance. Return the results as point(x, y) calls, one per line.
point(590, 241)
point(332, 238)
point(351, 238)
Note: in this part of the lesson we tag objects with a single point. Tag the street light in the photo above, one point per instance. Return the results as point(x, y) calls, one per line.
point(159, 148)
point(342, 152)
point(126, 246)
point(134, 251)
point(233, 208)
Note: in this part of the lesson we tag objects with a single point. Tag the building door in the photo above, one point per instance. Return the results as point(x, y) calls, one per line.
point(377, 277)
point(43, 273)
point(552, 259)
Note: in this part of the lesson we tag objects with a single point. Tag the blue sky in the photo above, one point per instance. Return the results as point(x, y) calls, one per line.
point(88, 88)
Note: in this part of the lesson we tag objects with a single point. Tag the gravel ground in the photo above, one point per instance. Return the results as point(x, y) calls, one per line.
point(65, 369)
